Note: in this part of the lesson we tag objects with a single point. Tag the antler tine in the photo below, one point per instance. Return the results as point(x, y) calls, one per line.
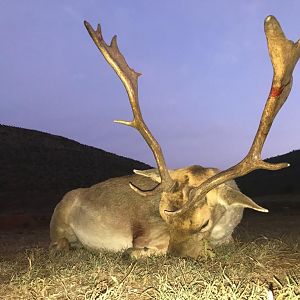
point(129, 78)
point(284, 55)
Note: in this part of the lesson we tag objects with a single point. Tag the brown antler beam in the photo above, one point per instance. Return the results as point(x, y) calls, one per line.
point(129, 78)
point(284, 56)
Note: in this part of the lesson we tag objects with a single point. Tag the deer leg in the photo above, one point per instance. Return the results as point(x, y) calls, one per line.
point(60, 245)
point(153, 241)
point(62, 236)
point(139, 253)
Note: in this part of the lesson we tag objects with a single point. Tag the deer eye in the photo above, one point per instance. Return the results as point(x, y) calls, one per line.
point(203, 227)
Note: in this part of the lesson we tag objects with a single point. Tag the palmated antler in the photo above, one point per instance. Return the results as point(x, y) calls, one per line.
point(284, 56)
point(129, 79)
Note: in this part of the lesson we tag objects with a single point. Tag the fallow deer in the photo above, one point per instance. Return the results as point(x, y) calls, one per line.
point(162, 211)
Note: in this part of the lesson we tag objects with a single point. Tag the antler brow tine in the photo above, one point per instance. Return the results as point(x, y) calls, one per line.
point(129, 78)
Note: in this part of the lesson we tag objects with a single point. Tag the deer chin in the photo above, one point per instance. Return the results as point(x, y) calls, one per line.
point(183, 243)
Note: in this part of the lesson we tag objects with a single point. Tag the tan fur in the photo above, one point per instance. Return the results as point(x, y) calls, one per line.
point(111, 216)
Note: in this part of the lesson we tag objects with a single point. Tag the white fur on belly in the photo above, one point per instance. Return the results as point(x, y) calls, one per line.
point(101, 237)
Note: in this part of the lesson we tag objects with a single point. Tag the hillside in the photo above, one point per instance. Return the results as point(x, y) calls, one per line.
point(38, 168)
point(285, 181)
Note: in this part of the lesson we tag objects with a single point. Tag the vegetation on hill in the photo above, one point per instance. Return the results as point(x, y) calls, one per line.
point(263, 182)
point(38, 168)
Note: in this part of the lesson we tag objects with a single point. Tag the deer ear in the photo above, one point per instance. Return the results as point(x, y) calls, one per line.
point(229, 196)
point(151, 173)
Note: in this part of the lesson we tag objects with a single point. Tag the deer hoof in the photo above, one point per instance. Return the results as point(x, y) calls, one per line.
point(60, 245)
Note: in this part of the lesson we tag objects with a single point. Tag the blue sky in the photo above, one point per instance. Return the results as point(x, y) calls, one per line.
point(205, 65)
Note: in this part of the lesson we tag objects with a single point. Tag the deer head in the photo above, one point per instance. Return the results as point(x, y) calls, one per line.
point(185, 203)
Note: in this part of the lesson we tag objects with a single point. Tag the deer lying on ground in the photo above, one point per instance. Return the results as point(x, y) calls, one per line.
point(161, 211)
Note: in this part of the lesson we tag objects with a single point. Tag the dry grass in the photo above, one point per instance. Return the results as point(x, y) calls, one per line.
point(255, 267)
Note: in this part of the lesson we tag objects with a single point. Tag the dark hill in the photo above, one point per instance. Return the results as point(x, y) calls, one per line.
point(285, 181)
point(38, 168)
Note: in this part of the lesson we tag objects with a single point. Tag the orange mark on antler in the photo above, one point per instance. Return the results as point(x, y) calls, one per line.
point(275, 91)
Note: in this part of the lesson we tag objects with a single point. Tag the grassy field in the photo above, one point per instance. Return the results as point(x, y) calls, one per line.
point(263, 263)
